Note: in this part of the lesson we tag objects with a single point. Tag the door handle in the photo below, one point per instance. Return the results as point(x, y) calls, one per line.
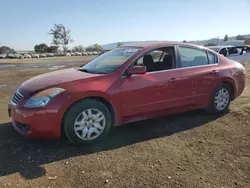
point(215, 72)
point(173, 80)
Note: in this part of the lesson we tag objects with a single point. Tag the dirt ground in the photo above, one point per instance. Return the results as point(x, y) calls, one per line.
point(187, 150)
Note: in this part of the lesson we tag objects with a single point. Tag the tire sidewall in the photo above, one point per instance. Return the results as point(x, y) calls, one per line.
point(72, 114)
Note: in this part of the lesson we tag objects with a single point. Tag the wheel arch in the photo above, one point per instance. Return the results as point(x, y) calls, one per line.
point(103, 100)
point(232, 86)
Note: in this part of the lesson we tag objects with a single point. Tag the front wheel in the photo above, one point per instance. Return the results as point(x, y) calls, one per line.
point(86, 122)
point(220, 99)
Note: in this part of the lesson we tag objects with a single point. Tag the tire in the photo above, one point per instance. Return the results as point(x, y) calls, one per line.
point(213, 108)
point(99, 124)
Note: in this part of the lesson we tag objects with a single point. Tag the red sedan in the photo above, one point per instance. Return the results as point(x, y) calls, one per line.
point(126, 84)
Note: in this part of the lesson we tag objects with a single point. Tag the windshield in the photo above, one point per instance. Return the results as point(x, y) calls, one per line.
point(214, 49)
point(110, 61)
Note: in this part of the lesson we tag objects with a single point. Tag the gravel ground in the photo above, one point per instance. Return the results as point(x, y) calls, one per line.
point(187, 150)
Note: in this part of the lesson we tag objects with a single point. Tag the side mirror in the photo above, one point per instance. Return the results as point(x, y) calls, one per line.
point(136, 70)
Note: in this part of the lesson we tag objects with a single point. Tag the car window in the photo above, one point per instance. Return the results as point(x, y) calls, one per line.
point(158, 60)
point(223, 51)
point(233, 51)
point(191, 57)
point(157, 55)
point(212, 58)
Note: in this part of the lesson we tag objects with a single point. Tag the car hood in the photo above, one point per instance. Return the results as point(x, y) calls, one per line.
point(54, 78)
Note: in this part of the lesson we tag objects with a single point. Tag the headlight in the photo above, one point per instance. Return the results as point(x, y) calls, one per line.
point(42, 98)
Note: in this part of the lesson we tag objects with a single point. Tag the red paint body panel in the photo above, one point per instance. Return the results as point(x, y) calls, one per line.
point(133, 98)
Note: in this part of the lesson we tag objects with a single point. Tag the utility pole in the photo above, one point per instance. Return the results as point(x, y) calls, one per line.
point(217, 40)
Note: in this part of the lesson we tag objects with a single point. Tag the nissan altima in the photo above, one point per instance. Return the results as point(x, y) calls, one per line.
point(126, 84)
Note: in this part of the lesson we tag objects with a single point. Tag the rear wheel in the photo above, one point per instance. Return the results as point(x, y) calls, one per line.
point(220, 99)
point(86, 122)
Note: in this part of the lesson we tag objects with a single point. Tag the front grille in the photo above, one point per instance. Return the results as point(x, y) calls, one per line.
point(17, 97)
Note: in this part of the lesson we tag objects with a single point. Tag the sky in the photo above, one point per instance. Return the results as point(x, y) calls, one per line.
point(26, 23)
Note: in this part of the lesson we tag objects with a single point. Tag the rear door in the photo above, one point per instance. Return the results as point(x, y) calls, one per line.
point(200, 74)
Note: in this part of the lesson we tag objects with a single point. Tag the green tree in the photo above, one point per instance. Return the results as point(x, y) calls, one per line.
point(119, 44)
point(247, 42)
point(6, 49)
point(184, 41)
point(225, 38)
point(240, 37)
point(41, 48)
point(95, 47)
point(52, 49)
point(61, 36)
point(78, 48)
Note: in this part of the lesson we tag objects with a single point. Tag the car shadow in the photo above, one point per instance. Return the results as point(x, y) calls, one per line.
point(25, 156)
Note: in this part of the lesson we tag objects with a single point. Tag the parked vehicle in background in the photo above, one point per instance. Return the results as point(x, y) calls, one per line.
point(42, 55)
point(10, 56)
point(49, 55)
point(84, 53)
point(26, 55)
point(35, 55)
point(2, 56)
point(78, 53)
point(18, 56)
point(72, 54)
point(60, 54)
point(237, 53)
point(95, 53)
point(84, 103)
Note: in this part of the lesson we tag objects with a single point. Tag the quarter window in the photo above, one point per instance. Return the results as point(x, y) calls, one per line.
point(212, 58)
point(191, 57)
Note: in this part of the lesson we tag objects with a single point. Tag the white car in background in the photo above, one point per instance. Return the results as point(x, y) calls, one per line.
point(236, 53)
point(84, 53)
point(10, 56)
point(27, 56)
point(49, 55)
point(18, 56)
point(42, 55)
point(34, 55)
point(78, 53)
point(2, 56)
point(67, 54)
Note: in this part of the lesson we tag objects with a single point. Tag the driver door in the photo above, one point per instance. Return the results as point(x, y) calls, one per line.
point(154, 91)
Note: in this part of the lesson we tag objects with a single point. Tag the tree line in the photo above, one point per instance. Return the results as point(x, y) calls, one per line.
point(61, 37)
point(238, 37)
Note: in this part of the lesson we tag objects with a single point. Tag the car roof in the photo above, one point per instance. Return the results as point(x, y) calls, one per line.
point(155, 44)
point(226, 46)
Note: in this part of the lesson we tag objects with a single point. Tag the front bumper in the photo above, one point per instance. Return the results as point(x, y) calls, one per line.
point(36, 123)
